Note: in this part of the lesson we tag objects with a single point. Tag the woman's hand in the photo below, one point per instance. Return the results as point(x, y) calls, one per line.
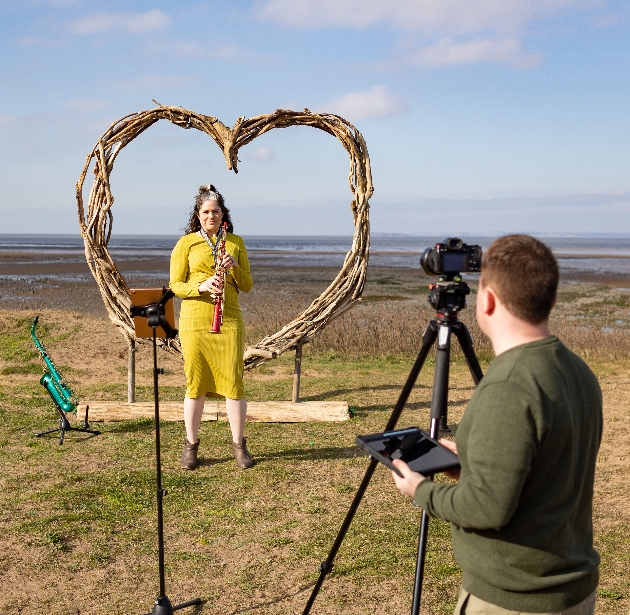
point(216, 284)
point(451, 446)
point(213, 285)
point(228, 261)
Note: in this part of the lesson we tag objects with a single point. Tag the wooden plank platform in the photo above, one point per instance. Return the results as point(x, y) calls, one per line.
point(257, 411)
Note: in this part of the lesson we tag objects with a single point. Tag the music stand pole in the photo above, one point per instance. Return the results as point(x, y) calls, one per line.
point(155, 315)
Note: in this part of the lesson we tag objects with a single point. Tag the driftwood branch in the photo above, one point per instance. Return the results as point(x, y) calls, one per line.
point(96, 221)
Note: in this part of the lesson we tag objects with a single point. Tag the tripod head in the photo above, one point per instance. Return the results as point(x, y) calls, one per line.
point(448, 295)
point(446, 260)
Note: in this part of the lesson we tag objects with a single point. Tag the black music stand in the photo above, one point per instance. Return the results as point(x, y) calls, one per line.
point(153, 316)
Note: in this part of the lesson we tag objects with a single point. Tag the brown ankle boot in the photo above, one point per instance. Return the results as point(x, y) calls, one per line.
point(189, 455)
point(243, 458)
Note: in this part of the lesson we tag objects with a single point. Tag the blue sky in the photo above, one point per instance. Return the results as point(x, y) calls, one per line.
point(480, 116)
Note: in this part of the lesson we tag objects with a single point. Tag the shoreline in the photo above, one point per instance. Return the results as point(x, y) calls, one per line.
point(65, 282)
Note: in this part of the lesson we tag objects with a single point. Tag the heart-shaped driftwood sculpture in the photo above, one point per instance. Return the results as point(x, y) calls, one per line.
point(96, 225)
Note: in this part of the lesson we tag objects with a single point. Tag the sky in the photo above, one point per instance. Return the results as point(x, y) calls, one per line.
point(480, 116)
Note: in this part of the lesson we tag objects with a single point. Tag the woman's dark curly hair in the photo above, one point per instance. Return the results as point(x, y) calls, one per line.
point(202, 196)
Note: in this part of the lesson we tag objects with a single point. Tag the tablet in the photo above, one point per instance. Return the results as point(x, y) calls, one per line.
point(412, 445)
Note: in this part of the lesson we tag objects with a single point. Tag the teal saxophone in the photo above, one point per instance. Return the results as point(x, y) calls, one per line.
point(52, 380)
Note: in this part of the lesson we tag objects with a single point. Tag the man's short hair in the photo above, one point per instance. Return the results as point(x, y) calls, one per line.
point(524, 274)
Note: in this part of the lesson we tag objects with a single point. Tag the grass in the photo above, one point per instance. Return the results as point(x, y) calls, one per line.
point(79, 519)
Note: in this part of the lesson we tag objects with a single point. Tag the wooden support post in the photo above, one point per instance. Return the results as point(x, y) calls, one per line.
point(131, 373)
point(297, 372)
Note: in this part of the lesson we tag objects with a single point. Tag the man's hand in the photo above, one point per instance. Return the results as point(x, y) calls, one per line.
point(451, 446)
point(409, 482)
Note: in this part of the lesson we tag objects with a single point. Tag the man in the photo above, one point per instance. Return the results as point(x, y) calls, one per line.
point(521, 511)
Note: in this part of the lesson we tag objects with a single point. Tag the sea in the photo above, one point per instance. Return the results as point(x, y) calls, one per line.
point(608, 256)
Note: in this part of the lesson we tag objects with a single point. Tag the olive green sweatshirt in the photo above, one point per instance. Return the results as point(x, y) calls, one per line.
point(521, 512)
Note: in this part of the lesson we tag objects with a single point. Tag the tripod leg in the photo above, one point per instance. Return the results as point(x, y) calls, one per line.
point(422, 549)
point(428, 337)
point(465, 341)
point(439, 403)
point(326, 566)
point(439, 400)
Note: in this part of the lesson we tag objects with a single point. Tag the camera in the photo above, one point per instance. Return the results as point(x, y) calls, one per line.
point(450, 257)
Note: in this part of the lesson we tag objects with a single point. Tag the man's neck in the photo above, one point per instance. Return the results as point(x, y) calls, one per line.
point(516, 332)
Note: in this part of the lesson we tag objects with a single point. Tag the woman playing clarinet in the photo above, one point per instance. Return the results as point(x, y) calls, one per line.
point(208, 265)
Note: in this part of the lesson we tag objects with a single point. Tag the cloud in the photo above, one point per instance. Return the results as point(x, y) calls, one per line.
point(155, 81)
point(448, 52)
point(8, 120)
point(375, 103)
point(197, 50)
point(86, 105)
point(61, 4)
point(605, 21)
point(447, 17)
point(38, 41)
point(466, 31)
point(263, 153)
point(137, 23)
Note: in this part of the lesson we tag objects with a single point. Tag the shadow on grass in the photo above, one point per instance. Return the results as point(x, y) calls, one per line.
point(365, 389)
point(278, 600)
point(298, 454)
point(312, 453)
point(72, 435)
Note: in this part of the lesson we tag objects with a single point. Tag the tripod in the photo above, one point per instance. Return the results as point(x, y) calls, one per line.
point(448, 297)
point(155, 315)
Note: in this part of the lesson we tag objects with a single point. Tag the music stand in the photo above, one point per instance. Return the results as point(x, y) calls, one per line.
point(153, 316)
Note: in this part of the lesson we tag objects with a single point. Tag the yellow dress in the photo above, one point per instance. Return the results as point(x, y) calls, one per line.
point(213, 362)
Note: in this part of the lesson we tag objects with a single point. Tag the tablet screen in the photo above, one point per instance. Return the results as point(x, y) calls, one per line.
point(414, 446)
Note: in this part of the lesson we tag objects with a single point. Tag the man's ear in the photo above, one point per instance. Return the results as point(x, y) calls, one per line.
point(487, 300)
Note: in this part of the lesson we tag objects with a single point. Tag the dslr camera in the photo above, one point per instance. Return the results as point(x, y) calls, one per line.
point(447, 260)
point(451, 257)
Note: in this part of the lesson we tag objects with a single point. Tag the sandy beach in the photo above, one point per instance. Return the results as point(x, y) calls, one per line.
point(63, 280)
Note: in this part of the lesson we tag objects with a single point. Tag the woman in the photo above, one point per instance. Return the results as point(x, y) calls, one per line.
point(213, 363)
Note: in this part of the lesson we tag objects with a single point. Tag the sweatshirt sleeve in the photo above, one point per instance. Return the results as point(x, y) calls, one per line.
point(241, 272)
point(500, 441)
point(179, 283)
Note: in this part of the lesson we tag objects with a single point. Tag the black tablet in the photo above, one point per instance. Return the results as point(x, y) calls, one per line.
point(412, 445)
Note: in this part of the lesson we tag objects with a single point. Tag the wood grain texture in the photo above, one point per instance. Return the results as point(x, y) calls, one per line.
point(257, 411)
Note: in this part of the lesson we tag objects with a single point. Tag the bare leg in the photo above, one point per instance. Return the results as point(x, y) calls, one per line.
point(193, 409)
point(236, 411)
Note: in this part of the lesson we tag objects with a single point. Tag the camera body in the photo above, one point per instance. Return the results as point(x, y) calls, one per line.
point(451, 257)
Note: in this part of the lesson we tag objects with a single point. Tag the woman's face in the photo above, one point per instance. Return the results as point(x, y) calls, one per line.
point(210, 216)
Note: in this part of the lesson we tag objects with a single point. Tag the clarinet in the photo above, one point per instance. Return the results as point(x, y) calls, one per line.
point(217, 318)
point(52, 380)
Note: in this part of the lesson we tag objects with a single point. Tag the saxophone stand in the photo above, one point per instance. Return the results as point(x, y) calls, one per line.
point(60, 391)
point(158, 319)
point(64, 423)
point(448, 297)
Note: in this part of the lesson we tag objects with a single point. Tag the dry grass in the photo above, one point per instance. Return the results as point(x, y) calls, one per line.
point(592, 320)
point(79, 520)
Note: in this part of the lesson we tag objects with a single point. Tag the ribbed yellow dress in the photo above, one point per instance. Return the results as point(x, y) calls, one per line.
point(213, 362)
